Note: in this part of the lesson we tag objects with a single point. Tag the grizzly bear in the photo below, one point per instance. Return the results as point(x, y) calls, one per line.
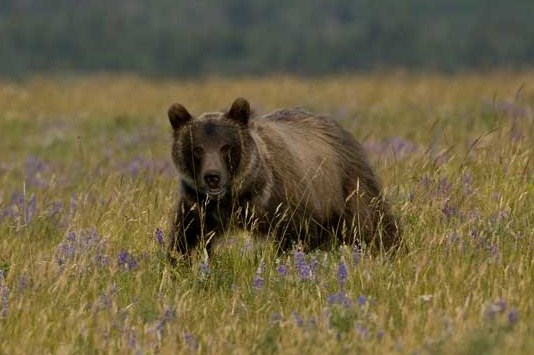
point(289, 174)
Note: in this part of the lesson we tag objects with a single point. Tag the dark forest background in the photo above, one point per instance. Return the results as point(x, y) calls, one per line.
point(235, 37)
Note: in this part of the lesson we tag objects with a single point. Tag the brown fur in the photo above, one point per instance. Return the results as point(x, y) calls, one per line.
point(298, 176)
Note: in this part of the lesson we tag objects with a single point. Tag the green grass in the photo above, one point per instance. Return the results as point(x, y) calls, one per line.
point(86, 179)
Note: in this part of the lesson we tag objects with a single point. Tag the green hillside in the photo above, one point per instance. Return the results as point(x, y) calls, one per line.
point(182, 38)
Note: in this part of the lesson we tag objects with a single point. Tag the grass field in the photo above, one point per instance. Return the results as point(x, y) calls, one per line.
point(87, 184)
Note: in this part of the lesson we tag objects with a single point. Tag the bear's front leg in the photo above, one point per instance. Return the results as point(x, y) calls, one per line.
point(186, 231)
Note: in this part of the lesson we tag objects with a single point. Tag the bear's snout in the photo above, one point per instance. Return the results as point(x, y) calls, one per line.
point(212, 179)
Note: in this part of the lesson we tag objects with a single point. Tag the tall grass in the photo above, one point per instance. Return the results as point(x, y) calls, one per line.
point(87, 184)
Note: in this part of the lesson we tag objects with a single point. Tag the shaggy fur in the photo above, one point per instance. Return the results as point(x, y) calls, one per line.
point(289, 174)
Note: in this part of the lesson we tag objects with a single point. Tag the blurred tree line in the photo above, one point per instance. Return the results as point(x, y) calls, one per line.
point(185, 38)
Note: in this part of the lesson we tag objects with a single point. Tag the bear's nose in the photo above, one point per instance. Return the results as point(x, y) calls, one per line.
point(212, 179)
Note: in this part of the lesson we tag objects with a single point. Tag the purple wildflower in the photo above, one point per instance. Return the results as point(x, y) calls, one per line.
point(126, 260)
point(71, 236)
point(33, 166)
point(159, 328)
point(30, 210)
point(304, 269)
point(21, 208)
point(6, 213)
point(513, 317)
point(159, 236)
point(167, 316)
point(441, 159)
point(67, 249)
point(340, 298)
point(102, 260)
point(89, 239)
point(362, 300)
point(372, 147)
point(444, 187)
point(499, 216)
point(401, 146)
point(362, 330)
point(508, 108)
point(453, 238)
point(501, 304)
point(298, 319)
point(495, 308)
point(204, 268)
point(380, 334)
point(300, 258)
point(484, 243)
point(492, 249)
point(450, 210)
point(141, 166)
point(23, 283)
point(106, 301)
point(257, 282)
point(18, 199)
point(83, 244)
point(467, 180)
point(342, 274)
point(132, 339)
point(282, 270)
point(515, 132)
point(314, 265)
point(135, 166)
point(55, 208)
point(190, 340)
point(425, 182)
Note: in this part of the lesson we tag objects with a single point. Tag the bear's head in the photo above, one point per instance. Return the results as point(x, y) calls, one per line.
point(208, 150)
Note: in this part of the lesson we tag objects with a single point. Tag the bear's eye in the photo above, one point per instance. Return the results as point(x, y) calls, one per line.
point(198, 152)
point(225, 149)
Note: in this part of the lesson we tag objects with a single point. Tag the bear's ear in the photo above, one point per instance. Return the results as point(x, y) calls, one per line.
point(240, 111)
point(178, 116)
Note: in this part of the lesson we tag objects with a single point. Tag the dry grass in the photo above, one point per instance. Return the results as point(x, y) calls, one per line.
point(86, 179)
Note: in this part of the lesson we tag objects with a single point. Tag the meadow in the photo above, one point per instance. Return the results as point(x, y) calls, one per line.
point(87, 185)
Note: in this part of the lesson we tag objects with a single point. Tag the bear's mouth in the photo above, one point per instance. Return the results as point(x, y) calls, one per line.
point(216, 194)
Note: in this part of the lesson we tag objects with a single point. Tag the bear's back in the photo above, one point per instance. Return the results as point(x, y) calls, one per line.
point(305, 154)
